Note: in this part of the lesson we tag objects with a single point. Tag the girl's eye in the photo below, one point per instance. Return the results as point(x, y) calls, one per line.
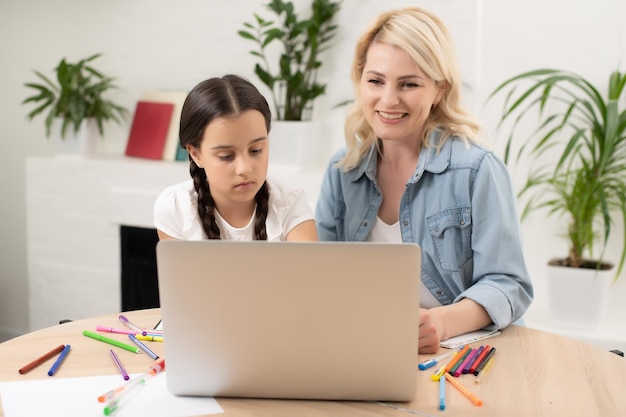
point(225, 157)
point(256, 151)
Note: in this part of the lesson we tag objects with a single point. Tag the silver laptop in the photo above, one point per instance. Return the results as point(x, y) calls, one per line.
point(305, 320)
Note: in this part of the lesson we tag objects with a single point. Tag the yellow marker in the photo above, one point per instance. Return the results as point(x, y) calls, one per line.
point(438, 373)
point(150, 338)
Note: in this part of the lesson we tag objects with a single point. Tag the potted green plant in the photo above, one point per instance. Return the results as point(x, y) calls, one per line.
point(76, 97)
point(292, 80)
point(585, 184)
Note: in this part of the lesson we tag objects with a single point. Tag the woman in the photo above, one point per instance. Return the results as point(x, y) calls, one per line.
point(414, 170)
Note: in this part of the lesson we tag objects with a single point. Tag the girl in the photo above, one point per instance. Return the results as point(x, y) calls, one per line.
point(224, 126)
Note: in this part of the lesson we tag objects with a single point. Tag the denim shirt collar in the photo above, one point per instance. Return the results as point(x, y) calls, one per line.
point(429, 160)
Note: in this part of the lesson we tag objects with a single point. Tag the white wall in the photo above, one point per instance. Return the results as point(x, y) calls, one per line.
point(173, 44)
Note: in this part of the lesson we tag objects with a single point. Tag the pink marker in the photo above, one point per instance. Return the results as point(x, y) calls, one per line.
point(152, 332)
point(114, 330)
point(467, 360)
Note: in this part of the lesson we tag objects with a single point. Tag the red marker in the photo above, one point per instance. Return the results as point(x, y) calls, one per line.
point(479, 359)
point(477, 353)
point(41, 359)
point(484, 361)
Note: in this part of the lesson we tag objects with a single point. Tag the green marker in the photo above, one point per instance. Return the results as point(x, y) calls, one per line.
point(111, 341)
point(112, 406)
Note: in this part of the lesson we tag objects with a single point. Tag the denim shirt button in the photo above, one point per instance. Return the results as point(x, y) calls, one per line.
point(462, 222)
point(406, 222)
point(364, 224)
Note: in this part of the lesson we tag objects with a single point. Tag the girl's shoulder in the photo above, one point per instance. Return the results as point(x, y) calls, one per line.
point(179, 194)
point(281, 192)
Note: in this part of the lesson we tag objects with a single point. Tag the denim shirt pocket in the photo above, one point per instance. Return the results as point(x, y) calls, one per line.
point(451, 231)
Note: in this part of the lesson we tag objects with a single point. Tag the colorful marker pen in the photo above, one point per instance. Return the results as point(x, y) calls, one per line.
point(111, 341)
point(59, 360)
point(143, 346)
point(114, 330)
point(479, 359)
point(434, 361)
point(41, 359)
point(471, 363)
point(150, 338)
point(480, 366)
point(442, 393)
point(119, 365)
point(130, 324)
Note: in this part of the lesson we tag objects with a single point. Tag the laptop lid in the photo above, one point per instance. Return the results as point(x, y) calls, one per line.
point(301, 320)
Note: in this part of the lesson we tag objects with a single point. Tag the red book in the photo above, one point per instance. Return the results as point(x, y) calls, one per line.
point(149, 130)
point(177, 98)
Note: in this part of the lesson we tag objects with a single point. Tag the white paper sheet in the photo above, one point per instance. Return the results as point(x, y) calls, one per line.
point(62, 397)
point(467, 338)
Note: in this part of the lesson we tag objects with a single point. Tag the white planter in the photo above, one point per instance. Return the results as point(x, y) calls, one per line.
point(578, 297)
point(298, 145)
point(84, 142)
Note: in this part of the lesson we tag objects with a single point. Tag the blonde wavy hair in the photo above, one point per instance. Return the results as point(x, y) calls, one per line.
point(427, 41)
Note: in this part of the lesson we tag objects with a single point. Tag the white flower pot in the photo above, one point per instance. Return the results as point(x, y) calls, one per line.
point(84, 142)
point(578, 297)
point(298, 144)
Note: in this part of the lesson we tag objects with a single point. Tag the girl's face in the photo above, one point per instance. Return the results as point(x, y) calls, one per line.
point(396, 94)
point(234, 154)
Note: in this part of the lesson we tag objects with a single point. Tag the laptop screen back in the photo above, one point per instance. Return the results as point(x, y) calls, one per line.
point(314, 320)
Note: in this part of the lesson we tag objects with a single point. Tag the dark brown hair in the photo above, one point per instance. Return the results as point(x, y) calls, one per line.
point(211, 99)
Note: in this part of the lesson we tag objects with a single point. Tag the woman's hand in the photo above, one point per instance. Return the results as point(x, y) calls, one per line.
point(441, 323)
point(429, 334)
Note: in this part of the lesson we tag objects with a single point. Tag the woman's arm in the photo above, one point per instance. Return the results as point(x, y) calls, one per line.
point(440, 323)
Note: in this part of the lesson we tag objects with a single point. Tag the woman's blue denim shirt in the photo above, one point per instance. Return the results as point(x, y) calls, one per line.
point(459, 206)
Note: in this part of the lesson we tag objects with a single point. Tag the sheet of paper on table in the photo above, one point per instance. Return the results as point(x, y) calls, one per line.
point(467, 338)
point(62, 397)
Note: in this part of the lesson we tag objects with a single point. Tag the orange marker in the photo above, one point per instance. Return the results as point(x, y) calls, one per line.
point(477, 401)
point(456, 358)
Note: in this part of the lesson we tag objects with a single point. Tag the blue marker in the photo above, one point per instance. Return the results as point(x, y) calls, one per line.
point(143, 347)
point(59, 360)
point(434, 361)
point(442, 393)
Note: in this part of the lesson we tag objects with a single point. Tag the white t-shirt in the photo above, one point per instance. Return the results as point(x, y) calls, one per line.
point(383, 232)
point(176, 214)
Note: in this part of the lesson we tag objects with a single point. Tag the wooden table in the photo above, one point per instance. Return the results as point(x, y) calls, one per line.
point(535, 374)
